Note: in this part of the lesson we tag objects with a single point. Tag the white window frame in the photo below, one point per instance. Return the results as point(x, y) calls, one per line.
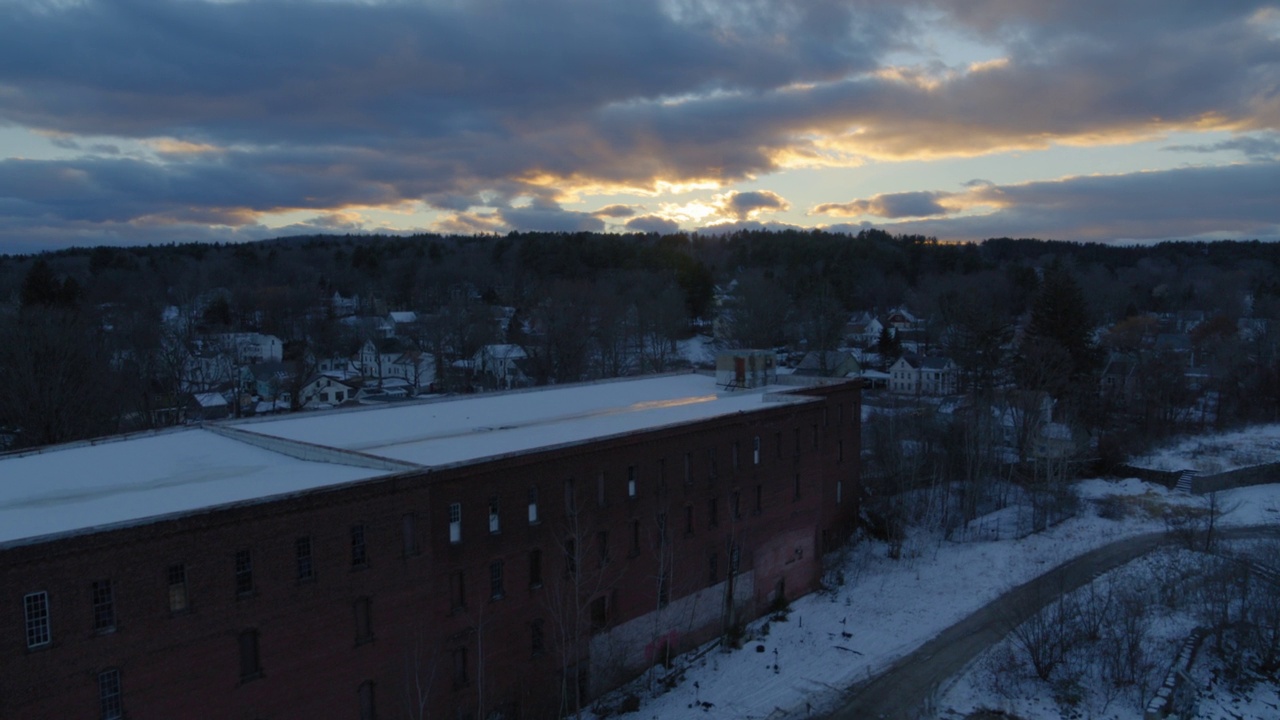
point(455, 523)
point(35, 611)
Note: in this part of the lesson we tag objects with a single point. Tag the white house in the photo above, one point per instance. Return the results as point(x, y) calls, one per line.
point(915, 375)
point(326, 390)
point(863, 330)
point(502, 363)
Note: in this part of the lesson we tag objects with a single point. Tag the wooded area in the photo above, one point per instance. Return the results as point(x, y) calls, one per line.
point(1132, 343)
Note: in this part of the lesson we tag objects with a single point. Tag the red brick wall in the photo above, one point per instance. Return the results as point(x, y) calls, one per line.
point(188, 664)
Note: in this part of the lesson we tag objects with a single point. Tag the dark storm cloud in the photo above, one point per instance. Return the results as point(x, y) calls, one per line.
point(1254, 147)
point(653, 224)
point(890, 205)
point(550, 217)
point(615, 211)
point(742, 205)
point(1241, 201)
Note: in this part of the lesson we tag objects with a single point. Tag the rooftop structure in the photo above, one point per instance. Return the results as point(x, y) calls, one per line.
point(131, 479)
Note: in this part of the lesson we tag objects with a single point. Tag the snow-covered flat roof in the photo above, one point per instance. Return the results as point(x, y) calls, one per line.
point(126, 480)
point(467, 429)
point(120, 481)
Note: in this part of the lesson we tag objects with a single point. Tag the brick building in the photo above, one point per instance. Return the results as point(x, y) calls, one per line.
point(507, 555)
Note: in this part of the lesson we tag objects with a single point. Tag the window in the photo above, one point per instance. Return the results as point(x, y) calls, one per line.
point(177, 576)
point(364, 621)
point(839, 491)
point(35, 608)
point(104, 607)
point(455, 523)
point(777, 441)
point(635, 538)
point(713, 512)
point(631, 481)
point(535, 568)
point(533, 505)
point(664, 588)
point(839, 414)
point(249, 667)
point(600, 497)
point(302, 558)
point(457, 590)
point(570, 558)
point(759, 499)
point(662, 528)
point(735, 504)
point(755, 450)
point(599, 613)
point(839, 451)
point(602, 546)
point(364, 694)
point(537, 638)
point(797, 488)
point(570, 497)
point(713, 569)
point(495, 580)
point(409, 533)
point(359, 555)
point(736, 447)
point(711, 463)
point(796, 432)
point(459, 667)
point(110, 700)
point(688, 519)
point(494, 524)
point(815, 436)
point(244, 572)
point(688, 467)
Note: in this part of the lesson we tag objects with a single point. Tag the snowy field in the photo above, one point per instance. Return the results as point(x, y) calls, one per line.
point(1217, 453)
point(884, 609)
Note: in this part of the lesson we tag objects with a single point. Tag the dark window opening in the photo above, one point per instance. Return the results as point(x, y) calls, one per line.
point(364, 620)
point(602, 546)
point(244, 572)
point(249, 667)
point(535, 568)
point(457, 590)
point(104, 607)
point(368, 710)
point(302, 551)
point(177, 577)
point(496, 589)
point(409, 533)
point(359, 555)
point(713, 512)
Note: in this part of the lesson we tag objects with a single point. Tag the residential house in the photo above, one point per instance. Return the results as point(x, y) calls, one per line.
point(502, 364)
point(208, 406)
point(863, 330)
point(321, 390)
point(916, 375)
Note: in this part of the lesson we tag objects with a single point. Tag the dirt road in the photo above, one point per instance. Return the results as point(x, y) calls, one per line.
point(900, 692)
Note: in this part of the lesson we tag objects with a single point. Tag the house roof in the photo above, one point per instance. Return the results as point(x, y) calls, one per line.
point(210, 400)
point(135, 479)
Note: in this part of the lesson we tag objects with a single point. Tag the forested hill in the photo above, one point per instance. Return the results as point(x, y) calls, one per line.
point(872, 268)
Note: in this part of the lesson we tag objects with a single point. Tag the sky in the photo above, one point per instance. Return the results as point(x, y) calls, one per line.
point(126, 122)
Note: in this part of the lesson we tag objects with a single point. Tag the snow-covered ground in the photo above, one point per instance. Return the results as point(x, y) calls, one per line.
point(1210, 454)
point(886, 608)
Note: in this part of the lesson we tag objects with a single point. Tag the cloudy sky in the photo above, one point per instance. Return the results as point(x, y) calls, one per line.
point(139, 121)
